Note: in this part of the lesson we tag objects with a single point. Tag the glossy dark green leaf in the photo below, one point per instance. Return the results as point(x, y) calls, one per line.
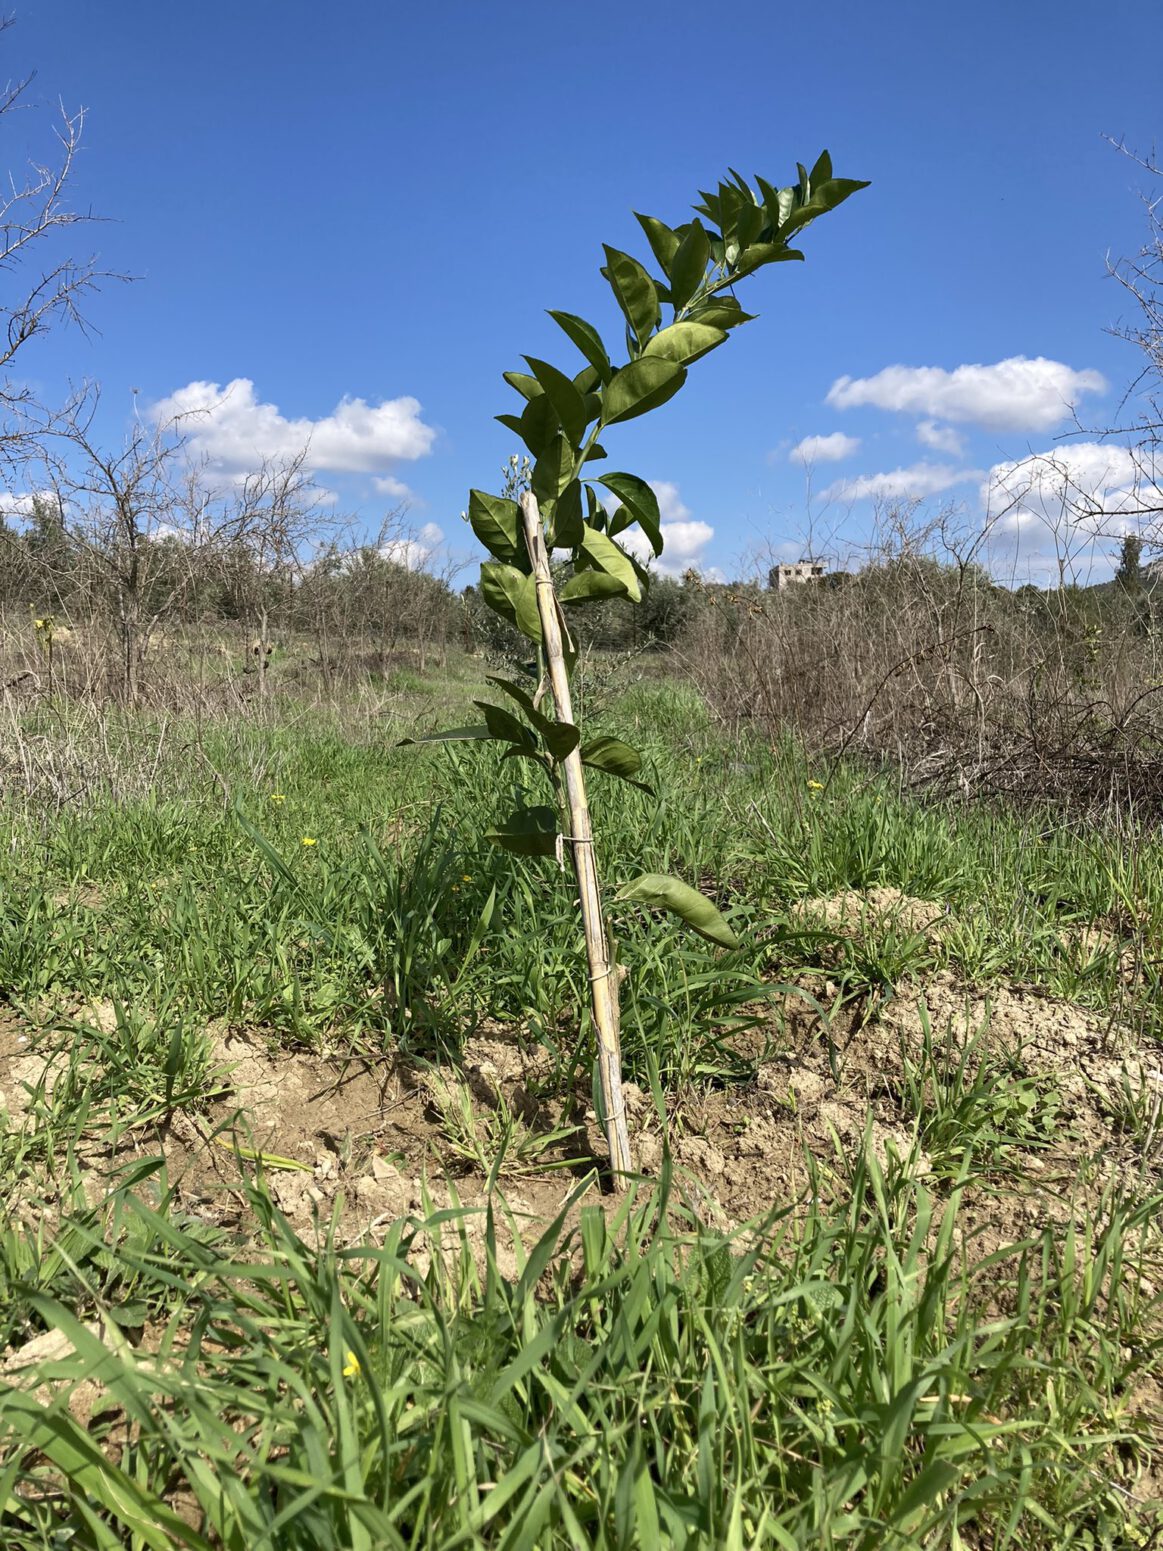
point(516, 692)
point(685, 342)
point(453, 735)
point(634, 292)
point(587, 381)
point(826, 197)
point(536, 426)
point(662, 892)
point(554, 469)
point(662, 239)
point(749, 223)
point(615, 758)
point(568, 403)
point(722, 312)
point(560, 738)
point(497, 523)
point(596, 514)
point(591, 587)
point(513, 595)
point(528, 387)
point(504, 726)
point(587, 339)
point(822, 171)
point(760, 253)
point(528, 832)
point(604, 555)
point(640, 502)
point(690, 264)
point(567, 521)
point(640, 387)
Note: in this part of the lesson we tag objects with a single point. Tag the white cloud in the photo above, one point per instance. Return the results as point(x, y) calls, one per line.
point(905, 484)
point(941, 438)
point(388, 485)
point(1096, 483)
point(414, 552)
point(684, 537)
point(1060, 514)
point(1018, 394)
point(21, 504)
point(824, 449)
point(235, 431)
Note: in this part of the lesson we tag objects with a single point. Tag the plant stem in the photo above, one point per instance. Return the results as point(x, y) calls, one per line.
point(603, 973)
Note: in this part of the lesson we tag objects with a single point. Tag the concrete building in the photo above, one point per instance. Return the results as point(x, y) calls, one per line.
point(781, 576)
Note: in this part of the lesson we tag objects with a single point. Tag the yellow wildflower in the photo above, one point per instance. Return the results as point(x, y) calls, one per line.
point(278, 797)
point(815, 786)
point(466, 877)
point(350, 1365)
point(308, 841)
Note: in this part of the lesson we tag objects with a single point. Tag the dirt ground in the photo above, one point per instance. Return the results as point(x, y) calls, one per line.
point(364, 1144)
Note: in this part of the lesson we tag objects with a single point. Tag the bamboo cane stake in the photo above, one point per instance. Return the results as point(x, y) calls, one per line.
point(603, 973)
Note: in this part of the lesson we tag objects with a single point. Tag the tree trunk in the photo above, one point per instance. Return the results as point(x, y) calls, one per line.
point(603, 973)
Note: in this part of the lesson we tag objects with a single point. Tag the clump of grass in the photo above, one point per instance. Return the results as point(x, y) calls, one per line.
point(973, 1100)
point(822, 1379)
point(488, 1136)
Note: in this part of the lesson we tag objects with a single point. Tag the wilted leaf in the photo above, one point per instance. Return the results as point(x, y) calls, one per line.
point(662, 892)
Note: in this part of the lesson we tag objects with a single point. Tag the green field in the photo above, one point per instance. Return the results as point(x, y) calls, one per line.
point(891, 1274)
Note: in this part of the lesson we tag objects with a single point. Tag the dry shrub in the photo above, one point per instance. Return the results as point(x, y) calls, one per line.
point(921, 660)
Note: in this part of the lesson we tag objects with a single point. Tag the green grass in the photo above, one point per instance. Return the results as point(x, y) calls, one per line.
point(856, 1371)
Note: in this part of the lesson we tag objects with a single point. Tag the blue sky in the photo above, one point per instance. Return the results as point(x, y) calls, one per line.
point(357, 215)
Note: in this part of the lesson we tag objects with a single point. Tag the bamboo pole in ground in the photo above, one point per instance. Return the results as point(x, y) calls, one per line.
point(603, 972)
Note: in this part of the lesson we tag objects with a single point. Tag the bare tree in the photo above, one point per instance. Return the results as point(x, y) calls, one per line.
point(44, 282)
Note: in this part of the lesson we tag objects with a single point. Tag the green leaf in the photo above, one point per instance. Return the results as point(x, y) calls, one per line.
point(749, 223)
point(663, 241)
point(760, 253)
point(833, 192)
point(528, 832)
point(634, 292)
point(537, 425)
point(513, 595)
point(690, 264)
point(453, 735)
point(685, 342)
point(587, 339)
point(554, 469)
point(615, 758)
point(640, 387)
point(504, 726)
point(591, 587)
point(567, 401)
point(604, 555)
point(822, 171)
point(560, 738)
point(527, 387)
point(497, 523)
point(722, 312)
point(662, 892)
point(640, 501)
point(567, 520)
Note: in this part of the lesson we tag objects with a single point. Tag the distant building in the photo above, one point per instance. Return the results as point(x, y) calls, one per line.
point(781, 576)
